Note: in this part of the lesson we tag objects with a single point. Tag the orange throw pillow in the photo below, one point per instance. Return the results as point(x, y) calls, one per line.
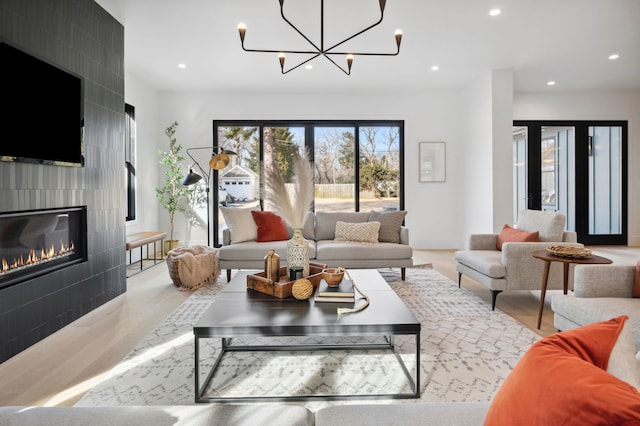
point(562, 380)
point(270, 226)
point(512, 235)
point(636, 283)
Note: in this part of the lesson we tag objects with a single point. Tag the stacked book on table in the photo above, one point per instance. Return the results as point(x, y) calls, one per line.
point(343, 293)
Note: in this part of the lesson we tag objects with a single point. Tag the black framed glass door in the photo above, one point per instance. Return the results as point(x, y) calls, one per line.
point(578, 168)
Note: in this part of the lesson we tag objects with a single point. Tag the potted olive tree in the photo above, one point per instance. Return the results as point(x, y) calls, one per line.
point(173, 194)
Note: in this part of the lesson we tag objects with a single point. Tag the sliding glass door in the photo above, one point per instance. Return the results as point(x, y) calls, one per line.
point(605, 180)
point(577, 168)
point(358, 165)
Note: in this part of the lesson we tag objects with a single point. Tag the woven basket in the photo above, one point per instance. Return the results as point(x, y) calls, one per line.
point(569, 251)
point(207, 275)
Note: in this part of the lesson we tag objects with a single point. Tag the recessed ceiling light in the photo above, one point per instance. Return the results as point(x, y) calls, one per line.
point(182, 66)
point(614, 56)
point(495, 12)
point(308, 66)
point(551, 83)
point(435, 68)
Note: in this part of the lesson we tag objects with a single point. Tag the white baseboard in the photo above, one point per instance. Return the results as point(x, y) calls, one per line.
point(633, 241)
point(436, 244)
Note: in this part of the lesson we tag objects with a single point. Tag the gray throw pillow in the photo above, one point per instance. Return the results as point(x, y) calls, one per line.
point(326, 222)
point(549, 224)
point(390, 223)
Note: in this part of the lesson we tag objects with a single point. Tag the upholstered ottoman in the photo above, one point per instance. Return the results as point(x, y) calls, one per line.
point(194, 266)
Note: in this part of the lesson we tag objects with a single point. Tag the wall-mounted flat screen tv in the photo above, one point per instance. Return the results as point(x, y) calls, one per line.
point(42, 115)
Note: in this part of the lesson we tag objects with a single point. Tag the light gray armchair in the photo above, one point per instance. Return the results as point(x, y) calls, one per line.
point(601, 292)
point(514, 268)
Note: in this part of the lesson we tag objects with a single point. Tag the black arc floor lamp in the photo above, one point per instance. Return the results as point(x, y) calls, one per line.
point(219, 160)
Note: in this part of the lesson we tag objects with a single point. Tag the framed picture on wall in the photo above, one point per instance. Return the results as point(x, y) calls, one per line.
point(432, 161)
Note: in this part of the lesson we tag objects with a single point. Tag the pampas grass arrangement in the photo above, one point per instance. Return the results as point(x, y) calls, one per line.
point(292, 206)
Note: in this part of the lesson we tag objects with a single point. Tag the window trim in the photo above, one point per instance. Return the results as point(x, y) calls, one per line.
point(309, 126)
point(130, 160)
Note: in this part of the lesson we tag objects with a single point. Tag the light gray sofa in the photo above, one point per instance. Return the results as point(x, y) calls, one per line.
point(319, 230)
point(513, 267)
point(450, 413)
point(600, 292)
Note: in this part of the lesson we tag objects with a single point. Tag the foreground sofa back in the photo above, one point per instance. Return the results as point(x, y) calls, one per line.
point(424, 414)
point(156, 415)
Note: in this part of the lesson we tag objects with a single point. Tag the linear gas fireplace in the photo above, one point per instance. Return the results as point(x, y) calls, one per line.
point(37, 242)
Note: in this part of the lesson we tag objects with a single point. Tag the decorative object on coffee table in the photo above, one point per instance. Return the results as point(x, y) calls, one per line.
point(363, 306)
point(284, 287)
point(343, 293)
point(298, 252)
point(293, 207)
point(333, 276)
point(302, 289)
point(272, 266)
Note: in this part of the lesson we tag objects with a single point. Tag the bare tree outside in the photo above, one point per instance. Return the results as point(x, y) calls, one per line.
point(380, 162)
point(333, 163)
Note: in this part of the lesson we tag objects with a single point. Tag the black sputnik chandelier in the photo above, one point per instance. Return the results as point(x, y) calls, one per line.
point(328, 52)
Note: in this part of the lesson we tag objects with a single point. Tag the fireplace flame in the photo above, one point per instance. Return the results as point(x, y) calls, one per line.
point(46, 255)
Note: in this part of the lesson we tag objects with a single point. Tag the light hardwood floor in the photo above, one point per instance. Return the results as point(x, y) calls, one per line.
point(65, 365)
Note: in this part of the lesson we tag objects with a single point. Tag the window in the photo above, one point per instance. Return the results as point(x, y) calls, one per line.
point(130, 159)
point(358, 165)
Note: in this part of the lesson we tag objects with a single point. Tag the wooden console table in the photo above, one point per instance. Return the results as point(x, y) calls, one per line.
point(548, 258)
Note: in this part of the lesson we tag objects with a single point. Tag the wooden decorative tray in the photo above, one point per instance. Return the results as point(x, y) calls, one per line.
point(282, 288)
point(569, 251)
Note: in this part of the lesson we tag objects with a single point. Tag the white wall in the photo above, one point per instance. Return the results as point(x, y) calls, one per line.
point(502, 147)
point(475, 123)
point(476, 158)
point(148, 133)
point(594, 106)
point(428, 117)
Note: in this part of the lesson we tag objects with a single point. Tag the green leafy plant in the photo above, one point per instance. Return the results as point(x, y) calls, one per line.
point(173, 194)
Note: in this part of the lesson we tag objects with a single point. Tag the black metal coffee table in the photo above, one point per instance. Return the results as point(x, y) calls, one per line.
point(239, 312)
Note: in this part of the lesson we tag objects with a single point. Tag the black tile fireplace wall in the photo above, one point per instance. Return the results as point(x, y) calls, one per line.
point(83, 38)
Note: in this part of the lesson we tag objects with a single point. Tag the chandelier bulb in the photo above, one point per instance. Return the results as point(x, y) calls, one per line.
point(281, 58)
point(349, 61)
point(242, 29)
point(398, 35)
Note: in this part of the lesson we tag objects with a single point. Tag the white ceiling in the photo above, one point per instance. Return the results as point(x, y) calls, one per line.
point(567, 41)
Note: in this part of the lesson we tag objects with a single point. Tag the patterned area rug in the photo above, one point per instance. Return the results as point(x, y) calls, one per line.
point(467, 350)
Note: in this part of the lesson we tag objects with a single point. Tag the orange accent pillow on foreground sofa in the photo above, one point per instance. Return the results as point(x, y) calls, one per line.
point(513, 235)
point(271, 227)
point(561, 380)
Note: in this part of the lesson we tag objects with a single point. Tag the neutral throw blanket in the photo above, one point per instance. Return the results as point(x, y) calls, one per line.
point(193, 266)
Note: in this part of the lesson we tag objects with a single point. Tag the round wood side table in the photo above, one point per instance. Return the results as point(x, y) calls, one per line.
point(547, 257)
